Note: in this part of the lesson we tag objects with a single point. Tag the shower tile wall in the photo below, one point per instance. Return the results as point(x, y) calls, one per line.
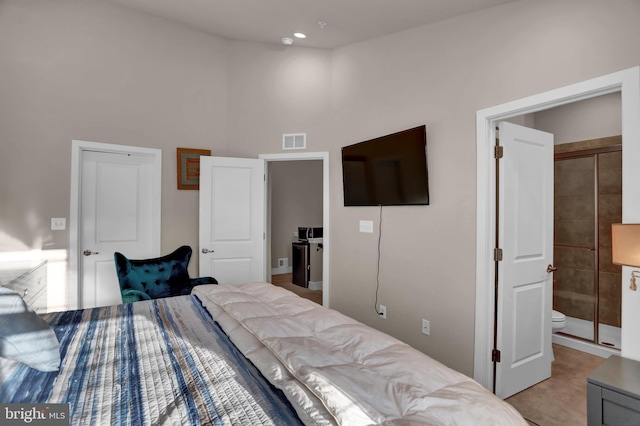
point(610, 211)
point(574, 213)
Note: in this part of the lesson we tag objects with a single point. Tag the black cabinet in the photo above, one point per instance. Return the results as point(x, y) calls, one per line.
point(300, 267)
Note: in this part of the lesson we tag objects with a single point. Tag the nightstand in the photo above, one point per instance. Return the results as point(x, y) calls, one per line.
point(613, 393)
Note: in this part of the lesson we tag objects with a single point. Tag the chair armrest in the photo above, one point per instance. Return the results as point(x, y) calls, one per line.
point(202, 280)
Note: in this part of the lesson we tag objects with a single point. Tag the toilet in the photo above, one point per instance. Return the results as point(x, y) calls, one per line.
point(558, 321)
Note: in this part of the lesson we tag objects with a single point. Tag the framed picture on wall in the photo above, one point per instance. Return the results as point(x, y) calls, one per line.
point(189, 167)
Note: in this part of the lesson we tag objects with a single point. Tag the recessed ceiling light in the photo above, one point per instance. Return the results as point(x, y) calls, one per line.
point(299, 35)
point(287, 41)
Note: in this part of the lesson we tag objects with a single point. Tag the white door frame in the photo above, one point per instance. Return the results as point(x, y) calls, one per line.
point(77, 150)
point(326, 234)
point(628, 83)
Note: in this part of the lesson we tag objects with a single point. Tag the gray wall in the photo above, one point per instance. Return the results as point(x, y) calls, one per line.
point(94, 71)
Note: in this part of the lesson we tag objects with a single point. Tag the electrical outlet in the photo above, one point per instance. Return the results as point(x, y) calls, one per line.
point(383, 312)
point(426, 327)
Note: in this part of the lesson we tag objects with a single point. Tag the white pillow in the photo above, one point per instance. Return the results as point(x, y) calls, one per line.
point(24, 336)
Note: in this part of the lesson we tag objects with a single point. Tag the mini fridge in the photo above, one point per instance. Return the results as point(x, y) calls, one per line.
point(300, 267)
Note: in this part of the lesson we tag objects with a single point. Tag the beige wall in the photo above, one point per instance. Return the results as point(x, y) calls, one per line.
point(577, 121)
point(90, 70)
point(440, 75)
point(275, 90)
point(590, 119)
point(295, 189)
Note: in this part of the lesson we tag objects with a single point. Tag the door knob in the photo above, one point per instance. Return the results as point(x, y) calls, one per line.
point(551, 268)
point(89, 252)
point(206, 250)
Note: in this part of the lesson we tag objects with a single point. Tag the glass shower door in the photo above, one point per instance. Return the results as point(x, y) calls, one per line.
point(586, 285)
point(609, 278)
point(575, 242)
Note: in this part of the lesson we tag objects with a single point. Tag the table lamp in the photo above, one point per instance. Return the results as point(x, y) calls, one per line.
point(625, 247)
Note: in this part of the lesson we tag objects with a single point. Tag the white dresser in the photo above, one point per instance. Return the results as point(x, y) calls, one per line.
point(29, 279)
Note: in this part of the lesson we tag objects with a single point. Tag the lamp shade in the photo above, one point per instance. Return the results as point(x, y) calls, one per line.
point(625, 244)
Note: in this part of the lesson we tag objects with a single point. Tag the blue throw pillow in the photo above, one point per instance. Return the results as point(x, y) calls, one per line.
point(24, 336)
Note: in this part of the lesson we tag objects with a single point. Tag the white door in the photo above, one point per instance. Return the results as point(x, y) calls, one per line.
point(118, 212)
point(525, 288)
point(232, 219)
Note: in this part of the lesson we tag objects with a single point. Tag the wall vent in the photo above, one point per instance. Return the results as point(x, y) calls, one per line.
point(294, 141)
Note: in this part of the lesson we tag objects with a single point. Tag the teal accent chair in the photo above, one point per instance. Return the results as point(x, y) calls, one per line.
point(165, 276)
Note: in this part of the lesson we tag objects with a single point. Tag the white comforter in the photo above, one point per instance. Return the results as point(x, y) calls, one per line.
point(335, 370)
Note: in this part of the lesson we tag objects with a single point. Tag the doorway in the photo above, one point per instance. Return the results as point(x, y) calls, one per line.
point(324, 158)
point(295, 215)
point(628, 83)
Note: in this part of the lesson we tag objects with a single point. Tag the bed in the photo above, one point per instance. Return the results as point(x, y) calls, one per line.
point(248, 354)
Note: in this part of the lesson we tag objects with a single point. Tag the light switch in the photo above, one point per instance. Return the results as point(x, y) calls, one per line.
point(366, 226)
point(58, 223)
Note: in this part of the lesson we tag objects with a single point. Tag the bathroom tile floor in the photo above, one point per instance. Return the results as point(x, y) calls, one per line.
point(562, 399)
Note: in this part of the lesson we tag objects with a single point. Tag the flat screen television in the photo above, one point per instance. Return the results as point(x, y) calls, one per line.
point(387, 171)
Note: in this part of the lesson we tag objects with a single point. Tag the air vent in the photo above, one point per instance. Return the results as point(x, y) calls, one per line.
point(294, 141)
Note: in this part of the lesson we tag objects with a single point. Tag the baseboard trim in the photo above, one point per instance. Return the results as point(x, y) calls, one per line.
point(281, 270)
point(315, 285)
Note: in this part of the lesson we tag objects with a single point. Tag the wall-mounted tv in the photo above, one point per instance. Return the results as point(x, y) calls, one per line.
point(387, 171)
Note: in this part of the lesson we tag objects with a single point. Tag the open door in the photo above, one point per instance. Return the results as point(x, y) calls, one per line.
point(232, 219)
point(525, 278)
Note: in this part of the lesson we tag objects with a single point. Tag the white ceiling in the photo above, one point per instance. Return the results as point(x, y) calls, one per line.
point(267, 21)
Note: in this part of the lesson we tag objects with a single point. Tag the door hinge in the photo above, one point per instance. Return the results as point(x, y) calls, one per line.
point(495, 355)
point(497, 254)
point(498, 151)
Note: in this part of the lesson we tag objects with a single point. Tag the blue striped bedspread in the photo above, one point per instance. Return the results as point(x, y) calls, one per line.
point(161, 361)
